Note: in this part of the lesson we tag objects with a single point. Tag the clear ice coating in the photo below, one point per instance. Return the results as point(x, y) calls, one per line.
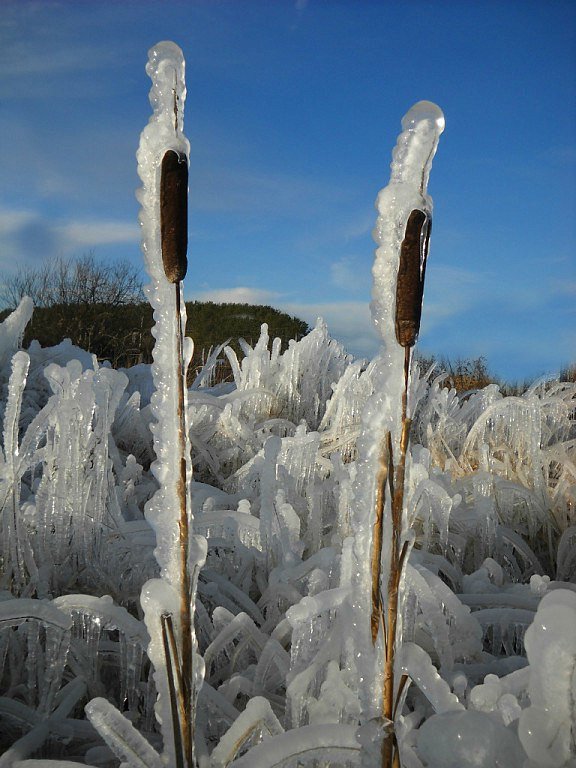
point(163, 132)
point(172, 524)
point(407, 191)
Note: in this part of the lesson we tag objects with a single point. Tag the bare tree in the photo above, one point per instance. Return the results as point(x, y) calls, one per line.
point(79, 281)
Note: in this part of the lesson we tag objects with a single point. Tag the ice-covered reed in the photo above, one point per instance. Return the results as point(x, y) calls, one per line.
point(168, 602)
point(163, 168)
point(384, 539)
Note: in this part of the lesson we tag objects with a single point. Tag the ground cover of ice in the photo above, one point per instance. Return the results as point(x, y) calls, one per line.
point(281, 501)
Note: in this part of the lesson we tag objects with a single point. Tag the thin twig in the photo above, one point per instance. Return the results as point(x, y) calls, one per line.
point(186, 650)
point(376, 620)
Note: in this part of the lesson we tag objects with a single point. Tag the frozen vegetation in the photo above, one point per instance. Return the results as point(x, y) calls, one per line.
point(287, 646)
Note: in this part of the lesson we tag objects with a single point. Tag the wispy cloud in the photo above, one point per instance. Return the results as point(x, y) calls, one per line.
point(39, 39)
point(234, 189)
point(27, 237)
point(23, 58)
point(564, 287)
point(350, 274)
point(90, 234)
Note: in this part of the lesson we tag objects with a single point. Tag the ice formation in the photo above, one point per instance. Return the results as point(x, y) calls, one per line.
point(286, 459)
point(406, 192)
point(163, 133)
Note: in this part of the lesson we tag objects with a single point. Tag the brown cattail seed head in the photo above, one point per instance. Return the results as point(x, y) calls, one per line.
point(410, 282)
point(174, 215)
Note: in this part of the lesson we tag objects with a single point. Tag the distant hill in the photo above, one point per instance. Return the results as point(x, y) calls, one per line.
point(121, 334)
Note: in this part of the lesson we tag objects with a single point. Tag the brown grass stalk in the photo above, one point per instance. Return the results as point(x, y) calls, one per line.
point(376, 619)
point(172, 673)
point(398, 554)
point(186, 649)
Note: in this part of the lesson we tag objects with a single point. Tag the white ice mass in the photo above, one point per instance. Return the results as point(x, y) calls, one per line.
point(280, 507)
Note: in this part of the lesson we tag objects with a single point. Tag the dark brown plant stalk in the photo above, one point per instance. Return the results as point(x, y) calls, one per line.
point(176, 699)
point(174, 240)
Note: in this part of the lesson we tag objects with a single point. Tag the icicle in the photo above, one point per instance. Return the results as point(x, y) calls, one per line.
point(12, 330)
point(121, 736)
point(18, 560)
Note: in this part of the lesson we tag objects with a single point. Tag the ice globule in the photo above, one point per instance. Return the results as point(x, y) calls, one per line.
point(460, 739)
point(547, 728)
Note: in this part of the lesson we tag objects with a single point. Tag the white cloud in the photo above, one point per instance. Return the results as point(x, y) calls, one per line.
point(348, 321)
point(238, 295)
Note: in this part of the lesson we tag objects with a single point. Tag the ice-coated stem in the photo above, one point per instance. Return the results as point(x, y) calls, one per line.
point(402, 234)
point(163, 168)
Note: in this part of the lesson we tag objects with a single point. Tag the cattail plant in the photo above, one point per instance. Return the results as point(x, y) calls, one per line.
point(383, 538)
point(174, 244)
point(169, 602)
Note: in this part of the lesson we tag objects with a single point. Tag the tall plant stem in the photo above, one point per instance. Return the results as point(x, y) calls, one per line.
point(390, 756)
point(186, 650)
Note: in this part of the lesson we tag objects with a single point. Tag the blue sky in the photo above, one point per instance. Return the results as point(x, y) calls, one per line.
point(293, 109)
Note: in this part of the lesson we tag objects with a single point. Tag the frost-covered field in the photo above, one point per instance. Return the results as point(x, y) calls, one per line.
point(283, 551)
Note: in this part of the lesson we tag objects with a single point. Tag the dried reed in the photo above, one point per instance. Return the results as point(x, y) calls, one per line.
point(409, 296)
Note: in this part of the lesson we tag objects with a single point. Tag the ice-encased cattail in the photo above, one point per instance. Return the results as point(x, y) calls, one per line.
point(410, 280)
point(174, 215)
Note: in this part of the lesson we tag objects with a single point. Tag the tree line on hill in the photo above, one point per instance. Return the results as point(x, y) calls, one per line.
point(100, 307)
